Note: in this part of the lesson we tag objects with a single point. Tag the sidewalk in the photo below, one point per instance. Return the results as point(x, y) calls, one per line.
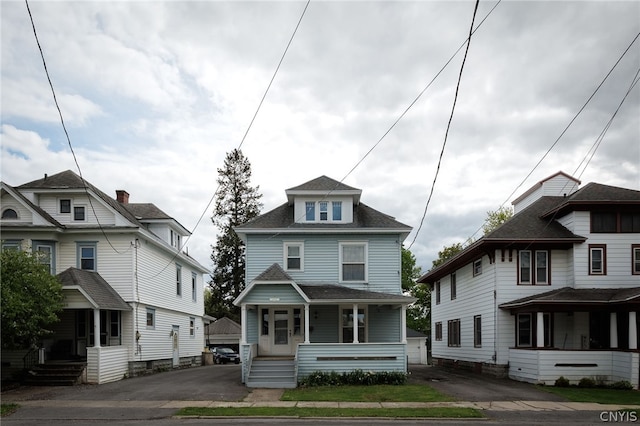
point(270, 398)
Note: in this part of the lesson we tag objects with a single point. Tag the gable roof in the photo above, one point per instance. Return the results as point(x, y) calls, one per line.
point(274, 273)
point(27, 203)
point(99, 293)
point(69, 180)
point(593, 195)
point(323, 185)
point(224, 325)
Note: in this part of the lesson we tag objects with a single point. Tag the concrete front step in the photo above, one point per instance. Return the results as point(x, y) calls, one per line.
point(55, 374)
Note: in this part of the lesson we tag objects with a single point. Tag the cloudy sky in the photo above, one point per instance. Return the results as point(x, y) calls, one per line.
point(155, 93)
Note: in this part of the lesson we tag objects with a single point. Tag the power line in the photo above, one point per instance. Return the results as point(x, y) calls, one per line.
point(455, 99)
point(64, 127)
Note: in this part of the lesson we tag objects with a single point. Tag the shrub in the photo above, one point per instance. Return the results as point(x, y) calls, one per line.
point(587, 382)
point(354, 377)
point(562, 382)
point(621, 385)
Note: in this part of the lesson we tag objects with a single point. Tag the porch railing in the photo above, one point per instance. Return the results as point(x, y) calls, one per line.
point(31, 358)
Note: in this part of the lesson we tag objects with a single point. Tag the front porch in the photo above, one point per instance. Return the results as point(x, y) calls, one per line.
point(544, 366)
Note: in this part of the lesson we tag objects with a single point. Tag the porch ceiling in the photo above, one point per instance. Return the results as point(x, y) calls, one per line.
point(94, 288)
point(571, 299)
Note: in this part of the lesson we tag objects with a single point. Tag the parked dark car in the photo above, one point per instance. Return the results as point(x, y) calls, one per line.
point(225, 355)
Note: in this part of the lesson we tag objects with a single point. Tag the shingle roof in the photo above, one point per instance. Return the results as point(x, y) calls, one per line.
point(95, 287)
point(224, 325)
point(578, 296)
point(338, 292)
point(323, 183)
point(363, 217)
point(596, 194)
point(36, 208)
point(146, 211)
point(274, 273)
point(70, 180)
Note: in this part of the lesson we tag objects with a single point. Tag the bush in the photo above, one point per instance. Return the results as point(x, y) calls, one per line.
point(354, 377)
point(562, 382)
point(621, 385)
point(587, 382)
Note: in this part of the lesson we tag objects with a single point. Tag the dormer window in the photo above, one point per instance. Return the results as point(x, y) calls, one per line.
point(337, 210)
point(324, 214)
point(310, 208)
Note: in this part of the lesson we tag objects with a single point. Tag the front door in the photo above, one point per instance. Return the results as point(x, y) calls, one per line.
point(281, 331)
point(175, 335)
point(281, 343)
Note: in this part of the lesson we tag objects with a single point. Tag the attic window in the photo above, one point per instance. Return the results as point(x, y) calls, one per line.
point(65, 206)
point(9, 214)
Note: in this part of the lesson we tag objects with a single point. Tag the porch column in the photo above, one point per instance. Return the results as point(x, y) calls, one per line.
point(96, 328)
point(633, 331)
point(307, 316)
point(540, 330)
point(355, 323)
point(243, 323)
point(613, 330)
point(403, 324)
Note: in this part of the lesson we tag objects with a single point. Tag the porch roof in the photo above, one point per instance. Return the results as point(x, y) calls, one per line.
point(329, 293)
point(568, 298)
point(94, 288)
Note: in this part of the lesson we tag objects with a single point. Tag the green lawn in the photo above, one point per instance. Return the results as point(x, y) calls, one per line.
point(6, 409)
point(435, 412)
point(603, 396)
point(375, 393)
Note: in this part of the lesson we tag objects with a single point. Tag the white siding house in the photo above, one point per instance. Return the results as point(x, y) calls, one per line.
point(125, 278)
point(323, 289)
point(552, 292)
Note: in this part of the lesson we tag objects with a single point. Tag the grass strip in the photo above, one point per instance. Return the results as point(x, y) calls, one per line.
point(432, 412)
point(6, 409)
point(374, 393)
point(602, 396)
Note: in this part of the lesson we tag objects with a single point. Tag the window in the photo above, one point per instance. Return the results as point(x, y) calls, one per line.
point(527, 273)
point(523, 331)
point(310, 208)
point(297, 322)
point(453, 332)
point(151, 318)
point(477, 267)
point(597, 259)
point(87, 256)
point(114, 323)
point(615, 222)
point(353, 262)
point(192, 327)
point(11, 244)
point(194, 286)
point(635, 259)
point(79, 214)
point(44, 253)
point(437, 292)
point(65, 206)
point(454, 290)
point(477, 331)
point(265, 322)
point(337, 210)
point(178, 280)
point(324, 212)
point(294, 253)
point(9, 214)
point(438, 331)
point(347, 325)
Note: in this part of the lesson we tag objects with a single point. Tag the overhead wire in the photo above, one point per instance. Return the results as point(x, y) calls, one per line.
point(64, 128)
point(566, 128)
point(455, 99)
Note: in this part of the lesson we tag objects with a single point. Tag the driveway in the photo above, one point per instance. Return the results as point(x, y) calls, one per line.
point(467, 386)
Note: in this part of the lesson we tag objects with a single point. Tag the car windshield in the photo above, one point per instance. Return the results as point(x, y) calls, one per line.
point(225, 350)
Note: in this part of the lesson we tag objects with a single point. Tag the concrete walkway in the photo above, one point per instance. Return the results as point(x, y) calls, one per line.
point(270, 398)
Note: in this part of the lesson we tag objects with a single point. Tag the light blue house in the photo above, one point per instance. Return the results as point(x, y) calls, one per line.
point(323, 288)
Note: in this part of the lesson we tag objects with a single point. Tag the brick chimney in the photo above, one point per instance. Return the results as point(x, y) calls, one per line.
point(122, 196)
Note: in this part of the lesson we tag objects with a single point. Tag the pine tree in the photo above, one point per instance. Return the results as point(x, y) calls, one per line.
point(236, 202)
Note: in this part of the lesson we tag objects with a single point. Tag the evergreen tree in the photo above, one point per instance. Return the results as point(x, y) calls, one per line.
point(236, 202)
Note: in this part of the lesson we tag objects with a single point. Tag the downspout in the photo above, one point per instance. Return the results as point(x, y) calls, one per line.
point(495, 312)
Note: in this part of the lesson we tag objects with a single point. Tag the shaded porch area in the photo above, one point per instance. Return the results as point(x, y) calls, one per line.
point(576, 333)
